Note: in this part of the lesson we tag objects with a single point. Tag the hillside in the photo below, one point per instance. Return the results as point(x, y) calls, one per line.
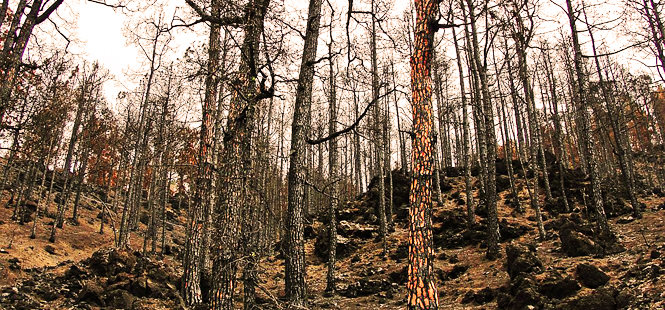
point(570, 270)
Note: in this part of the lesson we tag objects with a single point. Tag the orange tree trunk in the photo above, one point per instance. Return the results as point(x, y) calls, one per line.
point(420, 286)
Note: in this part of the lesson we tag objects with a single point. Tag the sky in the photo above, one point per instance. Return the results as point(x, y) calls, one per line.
point(100, 30)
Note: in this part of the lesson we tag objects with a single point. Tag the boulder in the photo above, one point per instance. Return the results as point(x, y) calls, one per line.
point(502, 183)
point(120, 299)
point(484, 296)
point(366, 287)
point(574, 244)
point(598, 300)
point(92, 292)
point(521, 260)
point(49, 249)
point(453, 273)
point(310, 231)
point(525, 295)
point(590, 276)
point(400, 276)
point(556, 286)
point(345, 246)
point(355, 230)
point(402, 252)
point(481, 297)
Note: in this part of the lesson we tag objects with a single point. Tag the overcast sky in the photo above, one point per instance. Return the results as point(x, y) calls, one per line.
point(100, 29)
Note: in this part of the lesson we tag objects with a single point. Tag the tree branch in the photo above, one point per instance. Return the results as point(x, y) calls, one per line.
point(48, 12)
point(229, 20)
point(347, 129)
point(615, 52)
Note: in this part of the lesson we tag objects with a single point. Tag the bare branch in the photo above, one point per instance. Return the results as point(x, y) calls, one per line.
point(228, 20)
point(347, 129)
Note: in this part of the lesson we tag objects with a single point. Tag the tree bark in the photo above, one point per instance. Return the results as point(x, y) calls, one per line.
point(421, 290)
point(581, 94)
point(296, 290)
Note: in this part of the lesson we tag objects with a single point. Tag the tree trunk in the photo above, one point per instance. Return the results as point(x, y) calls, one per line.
point(490, 141)
point(58, 222)
point(237, 197)
point(470, 207)
point(549, 74)
point(614, 114)
point(296, 290)
point(601, 218)
point(421, 290)
point(333, 175)
point(378, 139)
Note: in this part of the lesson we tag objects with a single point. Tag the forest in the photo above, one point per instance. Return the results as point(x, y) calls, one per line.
point(367, 154)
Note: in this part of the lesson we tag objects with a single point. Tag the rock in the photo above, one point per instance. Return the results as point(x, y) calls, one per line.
point(92, 293)
point(512, 231)
point(14, 263)
point(598, 300)
point(366, 287)
point(574, 244)
point(310, 232)
point(484, 296)
point(139, 287)
point(75, 272)
point(401, 253)
point(399, 277)
point(655, 254)
point(556, 286)
point(525, 295)
point(120, 299)
point(170, 215)
point(50, 249)
point(502, 183)
point(468, 297)
point(590, 276)
point(144, 218)
point(355, 230)
point(453, 259)
point(555, 206)
point(345, 246)
point(107, 262)
point(503, 300)
point(452, 172)
point(520, 260)
point(625, 219)
point(454, 273)
point(444, 185)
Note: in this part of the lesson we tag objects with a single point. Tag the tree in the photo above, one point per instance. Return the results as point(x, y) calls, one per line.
point(488, 145)
point(470, 208)
point(237, 196)
point(91, 78)
point(19, 33)
point(201, 212)
point(580, 93)
point(296, 290)
point(421, 291)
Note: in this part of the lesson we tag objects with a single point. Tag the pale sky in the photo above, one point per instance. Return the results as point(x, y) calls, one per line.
point(100, 29)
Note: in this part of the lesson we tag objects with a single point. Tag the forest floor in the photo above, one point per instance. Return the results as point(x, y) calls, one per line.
point(82, 271)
